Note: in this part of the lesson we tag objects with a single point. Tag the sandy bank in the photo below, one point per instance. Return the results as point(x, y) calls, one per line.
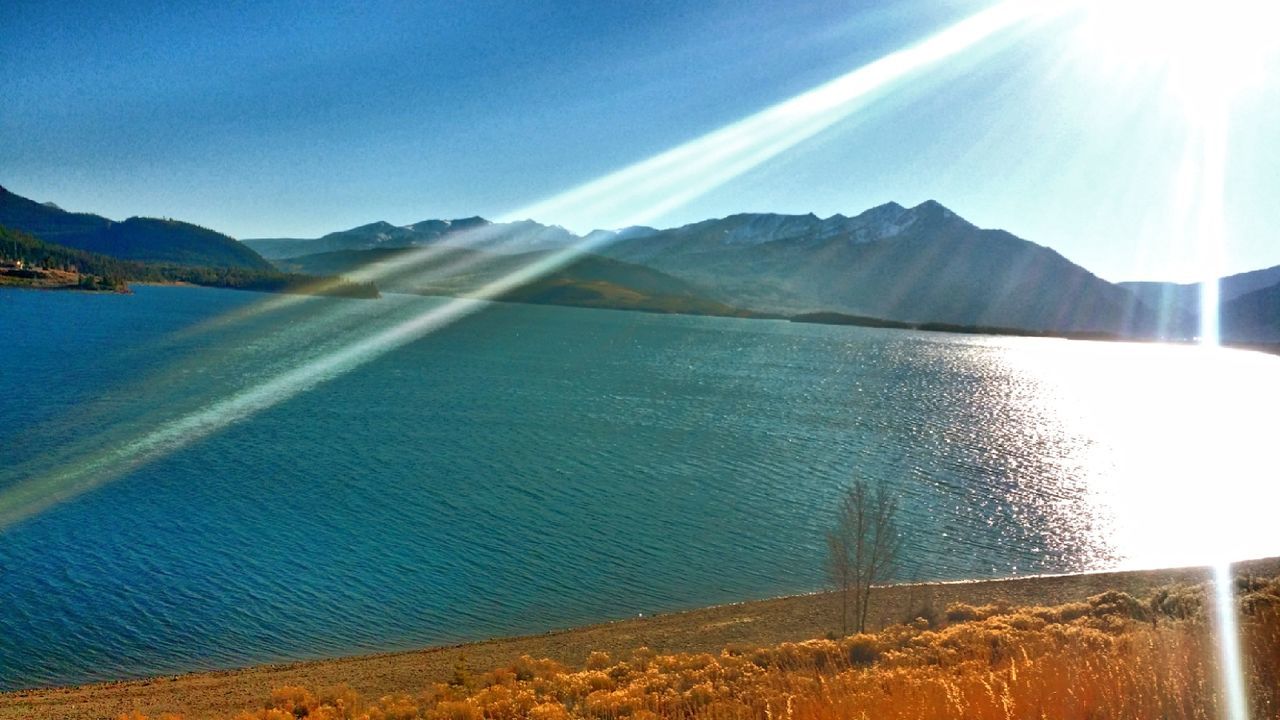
point(766, 622)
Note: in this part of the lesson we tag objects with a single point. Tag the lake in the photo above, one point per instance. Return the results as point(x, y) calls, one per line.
point(173, 505)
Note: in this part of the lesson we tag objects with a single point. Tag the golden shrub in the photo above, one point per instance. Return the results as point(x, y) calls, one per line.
point(1110, 657)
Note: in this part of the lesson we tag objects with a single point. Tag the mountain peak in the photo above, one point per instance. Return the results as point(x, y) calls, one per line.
point(887, 207)
point(428, 225)
point(468, 222)
point(933, 207)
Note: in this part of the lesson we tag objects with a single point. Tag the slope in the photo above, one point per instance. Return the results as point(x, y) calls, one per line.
point(588, 281)
point(145, 239)
point(920, 264)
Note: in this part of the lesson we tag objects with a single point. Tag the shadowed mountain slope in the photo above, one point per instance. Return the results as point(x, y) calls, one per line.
point(145, 239)
point(1186, 296)
point(1253, 317)
point(912, 264)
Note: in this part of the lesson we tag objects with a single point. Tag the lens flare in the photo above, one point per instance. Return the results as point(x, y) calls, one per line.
point(1204, 55)
point(649, 188)
point(638, 192)
point(1203, 49)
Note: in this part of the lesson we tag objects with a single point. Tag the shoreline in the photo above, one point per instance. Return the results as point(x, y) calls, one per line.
point(223, 693)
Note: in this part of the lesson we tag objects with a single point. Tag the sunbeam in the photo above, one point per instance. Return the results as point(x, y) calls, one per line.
point(650, 188)
point(1203, 55)
point(638, 192)
point(1213, 244)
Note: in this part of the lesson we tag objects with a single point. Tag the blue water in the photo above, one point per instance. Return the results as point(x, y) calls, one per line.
point(524, 469)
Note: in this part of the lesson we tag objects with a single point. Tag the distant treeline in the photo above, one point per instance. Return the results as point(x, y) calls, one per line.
point(834, 318)
point(114, 272)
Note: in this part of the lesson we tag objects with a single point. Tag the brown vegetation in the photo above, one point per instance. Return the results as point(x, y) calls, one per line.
point(1112, 656)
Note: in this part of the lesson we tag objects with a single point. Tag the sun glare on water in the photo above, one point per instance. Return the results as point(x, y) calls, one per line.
point(1167, 489)
point(1206, 55)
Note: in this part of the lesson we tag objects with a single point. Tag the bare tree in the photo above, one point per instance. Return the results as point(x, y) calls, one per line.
point(862, 549)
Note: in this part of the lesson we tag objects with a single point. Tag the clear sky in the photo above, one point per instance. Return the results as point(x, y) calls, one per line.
point(296, 118)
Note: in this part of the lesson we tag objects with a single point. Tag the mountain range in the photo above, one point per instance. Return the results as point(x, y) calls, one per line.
point(586, 281)
point(472, 232)
point(918, 265)
point(910, 264)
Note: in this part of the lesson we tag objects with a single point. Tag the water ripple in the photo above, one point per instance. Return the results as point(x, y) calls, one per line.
point(533, 468)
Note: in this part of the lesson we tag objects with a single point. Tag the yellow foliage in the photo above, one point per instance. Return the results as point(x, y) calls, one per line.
point(598, 660)
point(548, 711)
point(292, 699)
point(1111, 657)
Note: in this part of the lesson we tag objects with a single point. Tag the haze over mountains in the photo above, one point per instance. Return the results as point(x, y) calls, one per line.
point(474, 232)
point(919, 264)
point(587, 281)
point(1250, 302)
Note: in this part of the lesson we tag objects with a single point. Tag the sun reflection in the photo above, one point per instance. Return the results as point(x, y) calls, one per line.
point(1165, 488)
point(1205, 55)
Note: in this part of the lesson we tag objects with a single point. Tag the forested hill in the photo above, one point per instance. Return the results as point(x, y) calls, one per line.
point(144, 239)
point(114, 272)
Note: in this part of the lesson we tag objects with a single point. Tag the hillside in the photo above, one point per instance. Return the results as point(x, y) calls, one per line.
point(1249, 313)
point(110, 273)
point(961, 651)
point(142, 239)
point(1186, 296)
point(589, 281)
point(916, 266)
point(473, 232)
point(922, 264)
point(54, 267)
point(1253, 317)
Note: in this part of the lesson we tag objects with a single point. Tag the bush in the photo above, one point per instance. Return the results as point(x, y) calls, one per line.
point(1078, 660)
point(862, 649)
point(1120, 604)
point(1177, 602)
point(295, 700)
point(927, 612)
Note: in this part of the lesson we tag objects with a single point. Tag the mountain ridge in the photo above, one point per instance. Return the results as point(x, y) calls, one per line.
point(135, 238)
point(590, 281)
point(516, 236)
point(921, 264)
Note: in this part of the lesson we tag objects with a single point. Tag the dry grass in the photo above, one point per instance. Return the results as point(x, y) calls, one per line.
point(1112, 656)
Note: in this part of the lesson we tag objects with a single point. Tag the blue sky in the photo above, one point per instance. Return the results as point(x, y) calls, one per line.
point(295, 119)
